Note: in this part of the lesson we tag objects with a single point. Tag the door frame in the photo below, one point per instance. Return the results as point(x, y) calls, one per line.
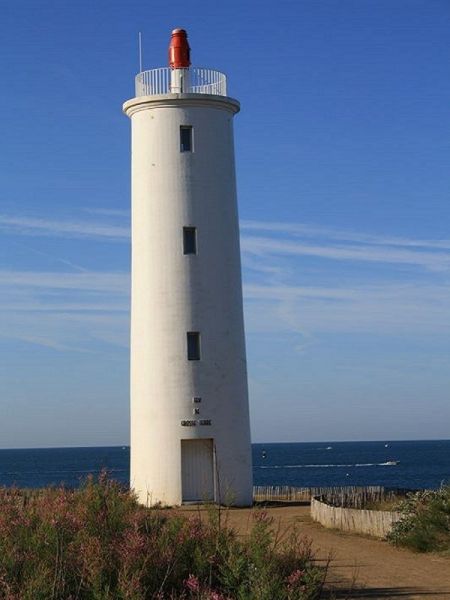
point(215, 486)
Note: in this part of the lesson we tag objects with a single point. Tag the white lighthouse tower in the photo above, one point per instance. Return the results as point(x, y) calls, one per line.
point(190, 435)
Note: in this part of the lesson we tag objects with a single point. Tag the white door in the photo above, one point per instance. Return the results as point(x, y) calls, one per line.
point(197, 470)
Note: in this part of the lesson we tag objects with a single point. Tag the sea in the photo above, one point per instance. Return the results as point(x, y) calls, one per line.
point(393, 464)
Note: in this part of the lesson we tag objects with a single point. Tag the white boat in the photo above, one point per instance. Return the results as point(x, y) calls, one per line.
point(391, 463)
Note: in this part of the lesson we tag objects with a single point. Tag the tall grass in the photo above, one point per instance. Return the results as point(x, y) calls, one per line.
point(425, 526)
point(98, 543)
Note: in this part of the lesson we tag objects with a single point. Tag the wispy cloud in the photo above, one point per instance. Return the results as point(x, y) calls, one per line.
point(106, 282)
point(80, 309)
point(382, 308)
point(313, 231)
point(67, 331)
point(272, 246)
point(54, 259)
point(30, 226)
point(280, 239)
point(65, 311)
point(108, 212)
point(396, 300)
point(64, 307)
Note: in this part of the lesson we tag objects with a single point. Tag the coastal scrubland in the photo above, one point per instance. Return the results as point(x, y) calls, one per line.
point(425, 526)
point(361, 566)
point(98, 543)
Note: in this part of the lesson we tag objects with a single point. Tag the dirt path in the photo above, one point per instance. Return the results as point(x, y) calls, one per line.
point(380, 570)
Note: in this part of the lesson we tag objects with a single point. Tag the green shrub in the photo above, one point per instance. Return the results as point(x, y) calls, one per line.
point(425, 525)
point(98, 543)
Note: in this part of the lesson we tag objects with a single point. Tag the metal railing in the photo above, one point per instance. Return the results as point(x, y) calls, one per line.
point(194, 80)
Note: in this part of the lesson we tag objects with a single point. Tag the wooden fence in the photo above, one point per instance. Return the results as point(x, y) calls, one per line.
point(371, 522)
point(355, 496)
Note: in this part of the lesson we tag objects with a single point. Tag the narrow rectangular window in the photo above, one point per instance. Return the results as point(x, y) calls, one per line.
point(189, 240)
point(193, 345)
point(185, 138)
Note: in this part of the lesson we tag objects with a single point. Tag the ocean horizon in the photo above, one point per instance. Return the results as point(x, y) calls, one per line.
point(411, 464)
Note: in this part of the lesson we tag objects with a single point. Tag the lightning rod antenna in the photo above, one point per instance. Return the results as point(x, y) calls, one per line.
point(140, 52)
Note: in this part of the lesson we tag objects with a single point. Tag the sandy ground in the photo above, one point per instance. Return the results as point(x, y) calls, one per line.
point(380, 570)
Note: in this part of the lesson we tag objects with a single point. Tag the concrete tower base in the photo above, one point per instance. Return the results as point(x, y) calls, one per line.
point(190, 435)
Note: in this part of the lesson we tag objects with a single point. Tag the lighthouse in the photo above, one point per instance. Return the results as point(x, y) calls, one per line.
point(190, 433)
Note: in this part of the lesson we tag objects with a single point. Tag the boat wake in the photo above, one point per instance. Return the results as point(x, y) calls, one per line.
point(93, 471)
point(388, 463)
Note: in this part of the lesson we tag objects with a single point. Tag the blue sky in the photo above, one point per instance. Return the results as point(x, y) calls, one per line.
point(342, 150)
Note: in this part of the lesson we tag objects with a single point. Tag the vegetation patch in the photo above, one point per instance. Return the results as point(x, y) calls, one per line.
point(390, 504)
point(98, 543)
point(425, 526)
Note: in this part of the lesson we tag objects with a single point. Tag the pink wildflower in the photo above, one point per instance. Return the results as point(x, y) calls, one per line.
point(216, 596)
point(192, 583)
point(295, 577)
point(261, 516)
